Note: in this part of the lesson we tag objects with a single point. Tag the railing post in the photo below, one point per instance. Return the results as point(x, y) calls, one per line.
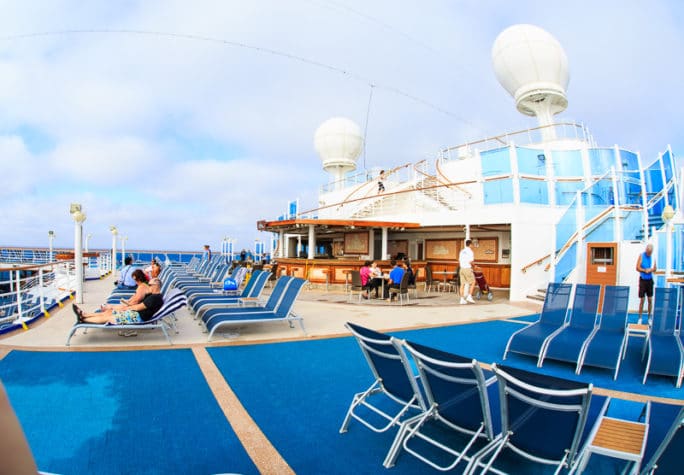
point(41, 292)
point(20, 311)
point(579, 217)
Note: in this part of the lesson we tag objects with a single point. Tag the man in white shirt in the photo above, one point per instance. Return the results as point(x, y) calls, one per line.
point(465, 261)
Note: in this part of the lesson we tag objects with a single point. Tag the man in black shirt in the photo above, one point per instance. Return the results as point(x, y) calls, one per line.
point(138, 313)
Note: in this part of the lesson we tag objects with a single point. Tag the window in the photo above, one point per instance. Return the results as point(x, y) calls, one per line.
point(602, 255)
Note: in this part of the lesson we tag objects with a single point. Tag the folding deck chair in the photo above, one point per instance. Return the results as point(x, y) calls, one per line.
point(270, 305)
point(665, 444)
point(458, 399)
point(531, 339)
point(605, 346)
point(664, 348)
point(567, 344)
point(243, 316)
point(200, 302)
point(543, 420)
point(173, 301)
point(393, 382)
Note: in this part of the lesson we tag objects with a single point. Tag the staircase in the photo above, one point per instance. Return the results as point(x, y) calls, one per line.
point(539, 295)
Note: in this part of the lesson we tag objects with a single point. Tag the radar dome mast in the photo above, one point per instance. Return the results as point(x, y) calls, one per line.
point(532, 66)
point(338, 141)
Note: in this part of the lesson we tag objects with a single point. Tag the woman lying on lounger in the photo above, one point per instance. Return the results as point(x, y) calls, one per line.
point(141, 290)
point(138, 313)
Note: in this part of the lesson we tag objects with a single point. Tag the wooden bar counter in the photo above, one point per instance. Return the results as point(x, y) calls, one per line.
point(337, 270)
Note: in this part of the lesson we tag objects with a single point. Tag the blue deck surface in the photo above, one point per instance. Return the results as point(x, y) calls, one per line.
point(142, 412)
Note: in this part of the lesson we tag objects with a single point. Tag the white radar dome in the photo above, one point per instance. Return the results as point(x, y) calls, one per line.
point(338, 141)
point(532, 66)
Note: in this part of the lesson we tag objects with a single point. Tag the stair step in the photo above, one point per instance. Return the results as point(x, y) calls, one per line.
point(536, 297)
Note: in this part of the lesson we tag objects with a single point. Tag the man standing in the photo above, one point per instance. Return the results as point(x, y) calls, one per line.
point(465, 261)
point(206, 255)
point(646, 266)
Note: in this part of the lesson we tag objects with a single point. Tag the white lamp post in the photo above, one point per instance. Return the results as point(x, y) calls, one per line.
point(51, 237)
point(114, 232)
point(668, 214)
point(86, 241)
point(79, 217)
point(123, 249)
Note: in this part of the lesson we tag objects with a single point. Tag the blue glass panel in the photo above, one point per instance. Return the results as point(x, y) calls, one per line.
point(603, 232)
point(630, 192)
point(601, 159)
point(654, 178)
point(632, 225)
point(534, 191)
point(566, 264)
point(661, 258)
point(667, 165)
point(498, 191)
point(566, 191)
point(531, 161)
point(496, 162)
point(630, 161)
point(566, 226)
point(567, 163)
point(672, 198)
point(678, 248)
point(655, 213)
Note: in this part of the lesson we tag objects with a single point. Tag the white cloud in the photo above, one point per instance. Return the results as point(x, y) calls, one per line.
point(127, 113)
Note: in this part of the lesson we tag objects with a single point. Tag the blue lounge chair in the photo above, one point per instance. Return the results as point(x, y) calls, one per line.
point(543, 419)
point(604, 348)
point(199, 303)
point(173, 301)
point(567, 344)
point(665, 443)
point(458, 399)
point(244, 316)
point(665, 350)
point(530, 340)
point(270, 305)
point(393, 381)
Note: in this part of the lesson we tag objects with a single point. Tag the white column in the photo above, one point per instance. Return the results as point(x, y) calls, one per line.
point(617, 226)
point(668, 254)
point(123, 249)
point(312, 242)
point(114, 233)
point(384, 244)
point(581, 247)
point(86, 241)
point(79, 217)
point(371, 243)
point(286, 245)
point(51, 237)
point(298, 250)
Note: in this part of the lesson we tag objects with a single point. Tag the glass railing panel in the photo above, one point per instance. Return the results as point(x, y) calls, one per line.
point(567, 163)
point(534, 191)
point(567, 225)
point(496, 162)
point(566, 264)
point(498, 191)
point(566, 191)
point(601, 159)
point(604, 232)
point(531, 161)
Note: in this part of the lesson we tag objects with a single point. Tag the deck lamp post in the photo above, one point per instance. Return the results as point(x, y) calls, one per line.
point(51, 238)
point(114, 232)
point(667, 215)
point(79, 217)
point(123, 249)
point(86, 241)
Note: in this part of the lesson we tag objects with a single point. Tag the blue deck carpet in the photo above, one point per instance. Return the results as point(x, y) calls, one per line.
point(137, 412)
point(298, 392)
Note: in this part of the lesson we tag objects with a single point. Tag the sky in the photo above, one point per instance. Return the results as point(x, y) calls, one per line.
point(182, 122)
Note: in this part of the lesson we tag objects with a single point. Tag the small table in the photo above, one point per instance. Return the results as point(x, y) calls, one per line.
point(244, 301)
point(637, 329)
point(444, 275)
point(618, 439)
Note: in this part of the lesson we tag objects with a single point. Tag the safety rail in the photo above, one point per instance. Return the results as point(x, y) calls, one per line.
point(563, 130)
point(29, 291)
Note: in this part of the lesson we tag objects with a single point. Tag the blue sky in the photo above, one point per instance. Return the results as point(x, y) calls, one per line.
point(182, 141)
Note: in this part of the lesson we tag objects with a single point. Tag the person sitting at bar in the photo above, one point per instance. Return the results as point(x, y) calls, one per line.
point(138, 313)
point(395, 277)
point(409, 269)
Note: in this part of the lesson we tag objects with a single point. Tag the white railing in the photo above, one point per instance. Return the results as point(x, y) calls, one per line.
point(27, 291)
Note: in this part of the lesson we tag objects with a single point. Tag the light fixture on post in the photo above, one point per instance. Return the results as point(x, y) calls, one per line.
point(667, 215)
point(51, 238)
point(79, 217)
point(114, 232)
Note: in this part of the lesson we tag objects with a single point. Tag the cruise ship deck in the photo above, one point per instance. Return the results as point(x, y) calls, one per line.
point(264, 398)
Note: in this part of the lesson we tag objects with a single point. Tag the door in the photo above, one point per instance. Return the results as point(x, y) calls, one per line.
point(602, 259)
